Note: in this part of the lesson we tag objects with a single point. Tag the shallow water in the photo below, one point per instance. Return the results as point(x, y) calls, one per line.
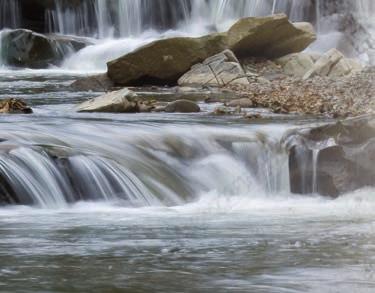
point(238, 232)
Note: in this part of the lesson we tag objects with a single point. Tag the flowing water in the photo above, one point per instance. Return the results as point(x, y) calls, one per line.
point(163, 203)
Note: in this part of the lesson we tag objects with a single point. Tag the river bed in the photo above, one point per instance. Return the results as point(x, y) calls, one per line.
point(210, 222)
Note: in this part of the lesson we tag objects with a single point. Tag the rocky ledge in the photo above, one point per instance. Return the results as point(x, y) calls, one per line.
point(334, 158)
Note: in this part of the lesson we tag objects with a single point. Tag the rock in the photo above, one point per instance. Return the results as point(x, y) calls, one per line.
point(96, 83)
point(344, 154)
point(333, 64)
point(271, 37)
point(182, 106)
point(219, 70)
point(25, 48)
point(223, 110)
point(252, 116)
point(243, 103)
point(165, 61)
point(122, 101)
point(14, 106)
point(296, 64)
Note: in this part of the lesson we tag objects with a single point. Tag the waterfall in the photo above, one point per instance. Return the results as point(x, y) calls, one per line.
point(148, 167)
point(123, 18)
point(10, 16)
point(315, 157)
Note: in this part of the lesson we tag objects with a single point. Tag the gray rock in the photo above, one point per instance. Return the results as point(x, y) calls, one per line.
point(219, 70)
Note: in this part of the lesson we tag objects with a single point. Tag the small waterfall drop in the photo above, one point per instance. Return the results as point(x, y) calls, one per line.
point(10, 16)
point(164, 167)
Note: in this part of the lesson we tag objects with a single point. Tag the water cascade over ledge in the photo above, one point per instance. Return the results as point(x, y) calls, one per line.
point(149, 167)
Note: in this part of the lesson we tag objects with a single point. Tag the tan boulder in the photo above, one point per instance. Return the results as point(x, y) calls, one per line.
point(122, 101)
point(271, 37)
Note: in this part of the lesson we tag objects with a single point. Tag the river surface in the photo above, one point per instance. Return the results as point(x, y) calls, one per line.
point(200, 218)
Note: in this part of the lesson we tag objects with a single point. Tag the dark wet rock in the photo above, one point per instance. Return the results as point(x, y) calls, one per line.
point(14, 106)
point(7, 194)
point(25, 48)
point(337, 157)
point(95, 83)
point(182, 106)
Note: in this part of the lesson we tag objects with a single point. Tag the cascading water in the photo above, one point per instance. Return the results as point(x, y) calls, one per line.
point(10, 16)
point(123, 25)
point(124, 18)
point(146, 168)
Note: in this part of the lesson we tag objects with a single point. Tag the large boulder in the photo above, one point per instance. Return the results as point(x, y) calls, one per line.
point(25, 48)
point(270, 37)
point(219, 70)
point(165, 61)
point(122, 101)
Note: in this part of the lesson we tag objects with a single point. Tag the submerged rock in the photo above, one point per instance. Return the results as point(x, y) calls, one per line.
point(25, 48)
point(218, 70)
point(182, 106)
point(165, 61)
point(14, 106)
